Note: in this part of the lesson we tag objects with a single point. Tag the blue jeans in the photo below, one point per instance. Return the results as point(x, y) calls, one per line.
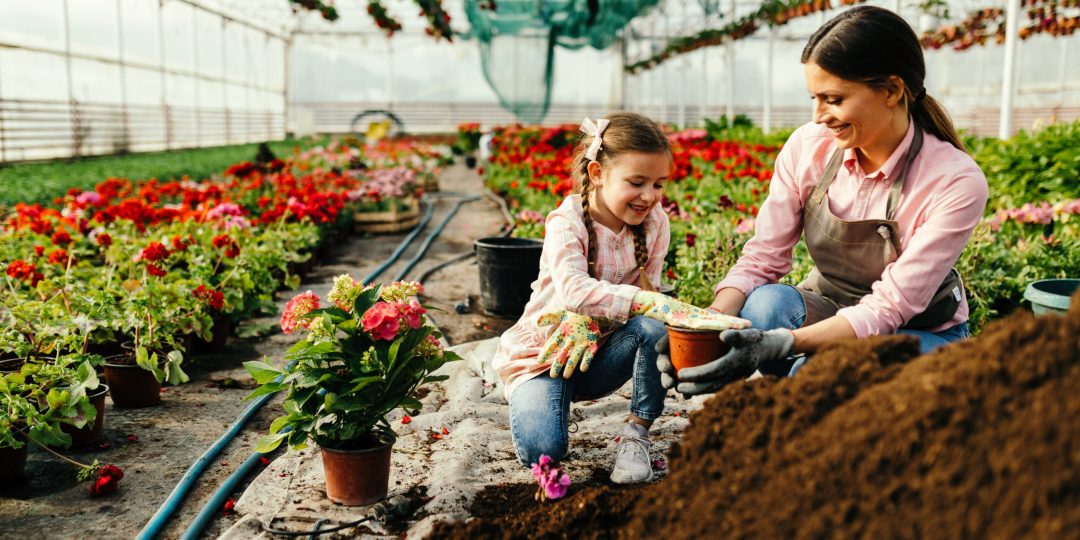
point(540, 407)
point(781, 306)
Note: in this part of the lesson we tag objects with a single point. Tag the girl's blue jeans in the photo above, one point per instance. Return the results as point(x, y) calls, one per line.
point(781, 306)
point(540, 407)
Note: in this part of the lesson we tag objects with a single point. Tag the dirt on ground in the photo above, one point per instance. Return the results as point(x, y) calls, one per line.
point(869, 440)
point(156, 445)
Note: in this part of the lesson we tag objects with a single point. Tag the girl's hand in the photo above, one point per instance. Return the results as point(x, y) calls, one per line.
point(682, 315)
point(574, 341)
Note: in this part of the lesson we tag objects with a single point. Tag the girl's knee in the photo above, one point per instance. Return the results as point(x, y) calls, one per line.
point(649, 331)
point(536, 432)
point(529, 451)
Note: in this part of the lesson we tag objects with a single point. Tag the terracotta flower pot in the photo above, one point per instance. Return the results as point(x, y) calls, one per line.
point(131, 386)
point(91, 433)
point(689, 348)
point(357, 477)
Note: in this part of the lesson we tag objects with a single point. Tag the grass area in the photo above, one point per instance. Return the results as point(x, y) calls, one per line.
point(41, 182)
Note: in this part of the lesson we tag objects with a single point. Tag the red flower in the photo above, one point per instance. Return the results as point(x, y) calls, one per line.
point(232, 249)
point(61, 238)
point(156, 251)
point(58, 256)
point(107, 480)
point(180, 244)
point(39, 251)
point(691, 238)
point(230, 505)
point(381, 320)
point(104, 240)
point(213, 298)
point(406, 419)
point(155, 270)
point(20, 269)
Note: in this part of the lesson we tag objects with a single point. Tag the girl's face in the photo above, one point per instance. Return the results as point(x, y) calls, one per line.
point(628, 187)
point(859, 115)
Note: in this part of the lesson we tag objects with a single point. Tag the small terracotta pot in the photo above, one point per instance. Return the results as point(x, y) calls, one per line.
point(357, 477)
point(91, 433)
point(689, 348)
point(131, 386)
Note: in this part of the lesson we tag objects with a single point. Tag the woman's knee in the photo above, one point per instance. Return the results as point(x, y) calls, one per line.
point(774, 306)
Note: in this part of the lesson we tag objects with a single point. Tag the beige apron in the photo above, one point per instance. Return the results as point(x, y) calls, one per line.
point(849, 256)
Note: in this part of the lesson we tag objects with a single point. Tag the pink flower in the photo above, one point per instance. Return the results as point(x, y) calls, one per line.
point(225, 209)
point(381, 320)
point(411, 312)
point(89, 198)
point(554, 483)
point(297, 309)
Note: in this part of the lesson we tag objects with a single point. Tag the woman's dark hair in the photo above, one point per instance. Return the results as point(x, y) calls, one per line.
point(626, 132)
point(869, 44)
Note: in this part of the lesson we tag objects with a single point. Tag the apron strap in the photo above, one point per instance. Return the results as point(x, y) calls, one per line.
point(827, 176)
point(898, 185)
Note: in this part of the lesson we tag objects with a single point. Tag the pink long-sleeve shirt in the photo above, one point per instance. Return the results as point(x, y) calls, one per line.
point(564, 283)
point(943, 198)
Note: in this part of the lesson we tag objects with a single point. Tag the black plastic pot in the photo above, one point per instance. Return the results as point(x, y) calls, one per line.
point(508, 266)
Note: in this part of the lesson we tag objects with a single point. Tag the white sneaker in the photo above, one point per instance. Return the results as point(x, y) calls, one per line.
point(632, 463)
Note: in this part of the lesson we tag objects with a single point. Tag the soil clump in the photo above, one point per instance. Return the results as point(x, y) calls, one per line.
point(978, 439)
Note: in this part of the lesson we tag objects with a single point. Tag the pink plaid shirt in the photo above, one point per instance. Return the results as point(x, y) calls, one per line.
point(942, 200)
point(564, 283)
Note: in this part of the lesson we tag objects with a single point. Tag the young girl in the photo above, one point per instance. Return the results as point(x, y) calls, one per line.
point(603, 252)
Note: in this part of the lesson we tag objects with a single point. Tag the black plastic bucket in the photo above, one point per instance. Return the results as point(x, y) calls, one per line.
point(508, 266)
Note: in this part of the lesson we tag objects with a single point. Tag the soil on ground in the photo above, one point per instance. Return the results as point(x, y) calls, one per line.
point(976, 440)
point(156, 445)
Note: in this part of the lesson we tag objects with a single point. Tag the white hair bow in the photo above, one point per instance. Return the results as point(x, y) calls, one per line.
point(597, 129)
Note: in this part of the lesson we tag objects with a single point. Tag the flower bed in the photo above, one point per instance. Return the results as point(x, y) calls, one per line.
point(145, 269)
point(722, 176)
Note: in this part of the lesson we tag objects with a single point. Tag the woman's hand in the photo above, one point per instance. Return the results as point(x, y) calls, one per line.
point(575, 341)
point(680, 314)
point(749, 348)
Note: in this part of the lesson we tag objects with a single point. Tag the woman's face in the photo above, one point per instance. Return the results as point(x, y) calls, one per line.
point(858, 115)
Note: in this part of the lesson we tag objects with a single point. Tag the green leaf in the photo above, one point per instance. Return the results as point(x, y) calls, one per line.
point(435, 378)
point(269, 443)
point(267, 388)
point(279, 423)
point(365, 300)
point(261, 371)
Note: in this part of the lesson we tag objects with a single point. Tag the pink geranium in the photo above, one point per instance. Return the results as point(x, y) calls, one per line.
point(381, 320)
point(554, 483)
point(296, 311)
point(411, 312)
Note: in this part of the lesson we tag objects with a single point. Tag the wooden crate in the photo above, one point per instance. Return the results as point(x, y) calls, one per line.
point(388, 222)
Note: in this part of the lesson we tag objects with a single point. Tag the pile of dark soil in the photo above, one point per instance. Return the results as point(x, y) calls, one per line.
point(978, 440)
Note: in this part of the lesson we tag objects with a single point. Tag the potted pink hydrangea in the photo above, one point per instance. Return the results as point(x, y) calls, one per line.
point(363, 356)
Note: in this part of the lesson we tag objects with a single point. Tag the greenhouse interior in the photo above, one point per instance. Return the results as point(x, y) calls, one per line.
point(539, 268)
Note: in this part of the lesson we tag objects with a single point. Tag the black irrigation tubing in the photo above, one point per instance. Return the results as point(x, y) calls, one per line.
point(209, 511)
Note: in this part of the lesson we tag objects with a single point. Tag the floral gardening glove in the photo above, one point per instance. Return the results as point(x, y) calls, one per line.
point(575, 340)
point(675, 313)
point(749, 348)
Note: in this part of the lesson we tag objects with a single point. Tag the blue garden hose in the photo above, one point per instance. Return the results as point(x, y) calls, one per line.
point(217, 500)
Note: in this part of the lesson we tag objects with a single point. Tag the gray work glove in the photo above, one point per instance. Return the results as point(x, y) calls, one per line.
point(749, 348)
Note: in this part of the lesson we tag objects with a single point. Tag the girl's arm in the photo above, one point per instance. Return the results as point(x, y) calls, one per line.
point(564, 248)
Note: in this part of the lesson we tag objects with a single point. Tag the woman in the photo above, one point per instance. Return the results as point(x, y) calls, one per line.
point(881, 187)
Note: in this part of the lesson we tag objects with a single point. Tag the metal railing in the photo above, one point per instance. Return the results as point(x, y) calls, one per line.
point(44, 129)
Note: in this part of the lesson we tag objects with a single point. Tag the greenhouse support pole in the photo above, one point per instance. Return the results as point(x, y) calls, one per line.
point(166, 124)
point(1063, 72)
point(73, 122)
point(1008, 80)
point(195, 66)
point(390, 74)
point(224, 82)
point(125, 130)
point(286, 92)
point(621, 79)
point(730, 57)
point(766, 123)
point(703, 105)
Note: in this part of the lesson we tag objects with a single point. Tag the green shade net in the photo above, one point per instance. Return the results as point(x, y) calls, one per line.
point(518, 39)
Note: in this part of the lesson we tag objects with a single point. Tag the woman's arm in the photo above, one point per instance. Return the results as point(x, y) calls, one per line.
point(808, 339)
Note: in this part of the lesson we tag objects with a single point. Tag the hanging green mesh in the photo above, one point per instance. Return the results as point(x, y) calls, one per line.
point(518, 39)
